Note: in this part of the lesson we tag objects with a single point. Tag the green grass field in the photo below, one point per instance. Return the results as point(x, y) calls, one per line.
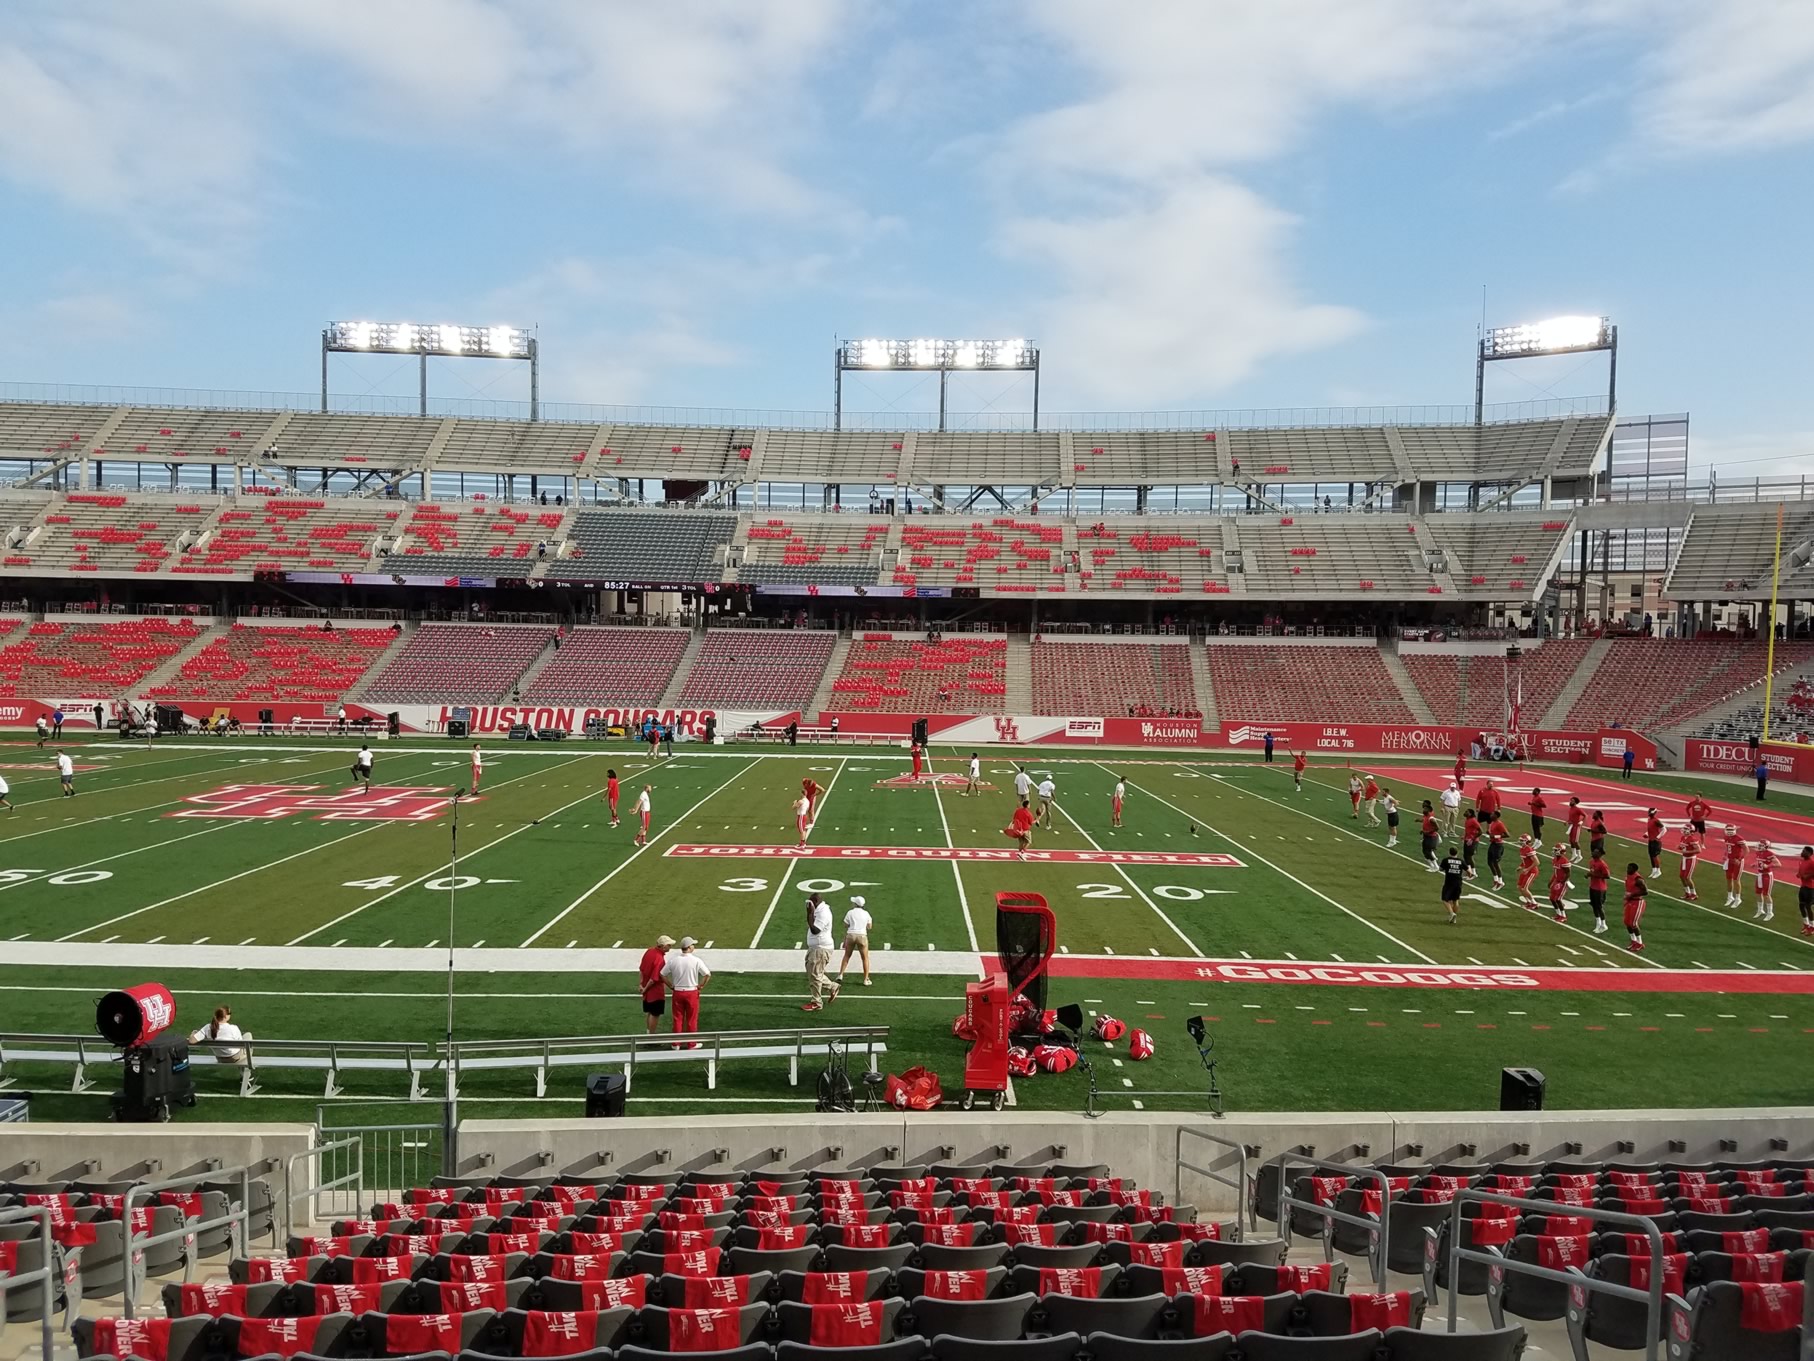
point(330, 920)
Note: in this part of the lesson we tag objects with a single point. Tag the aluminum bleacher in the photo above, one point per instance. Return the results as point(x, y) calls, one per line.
point(845, 457)
point(1261, 682)
point(1333, 555)
point(630, 666)
point(1151, 556)
point(289, 534)
point(1006, 553)
point(1728, 550)
point(1659, 683)
point(1442, 677)
point(687, 452)
point(89, 661)
point(1313, 454)
point(180, 435)
point(1499, 556)
point(103, 532)
point(48, 431)
point(775, 669)
point(476, 663)
point(646, 545)
point(962, 673)
point(555, 447)
point(256, 662)
point(383, 443)
point(973, 458)
point(478, 538)
point(843, 550)
point(1107, 678)
point(1144, 457)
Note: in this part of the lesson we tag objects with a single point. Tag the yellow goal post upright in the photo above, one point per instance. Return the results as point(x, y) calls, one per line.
point(1769, 622)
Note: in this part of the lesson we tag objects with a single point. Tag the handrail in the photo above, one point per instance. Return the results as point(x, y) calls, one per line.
point(1376, 1252)
point(354, 1179)
point(1238, 1182)
point(1575, 1280)
point(238, 1225)
point(45, 1277)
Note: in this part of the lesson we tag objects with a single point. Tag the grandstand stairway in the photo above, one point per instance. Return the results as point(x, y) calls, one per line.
point(822, 697)
point(1749, 698)
point(1427, 542)
point(1019, 696)
point(1556, 716)
point(670, 697)
point(382, 660)
point(1205, 687)
point(1395, 668)
point(535, 668)
point(168, 671)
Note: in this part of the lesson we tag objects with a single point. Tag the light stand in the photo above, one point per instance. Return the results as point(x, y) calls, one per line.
point(449, 1108)
point(1205, 1044)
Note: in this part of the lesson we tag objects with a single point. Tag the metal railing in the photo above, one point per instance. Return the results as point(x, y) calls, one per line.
point(1376, 1229)
point(45, 1277)
point(1238, 1182)
point(329, 1057)
point(1498, 1262)
point(237, 1222)
point(391, 1156)
point(320, 1182)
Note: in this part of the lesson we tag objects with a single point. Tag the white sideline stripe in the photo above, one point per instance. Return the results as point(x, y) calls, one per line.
point(446, 864)
point(1198, 817)
point(673, 828)
point(1122, 871)
point(121, 855)
point(788, 874)
point(963, 898)
point(190, 893)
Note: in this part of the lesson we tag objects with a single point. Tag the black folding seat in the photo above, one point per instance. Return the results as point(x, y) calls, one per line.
point(1259, 1278)
point(1141, 1253)
point(1704, 1221)
point(1749, 1238)
point(969, 1171)
point(703, 1262)
point(1347, 1238)
point(913, 1347)
point(835, 1286)
point(1613, 1321)
point(882, 1172)
point(1058, 1347)
point(1476, 1235)
point(765, 1240)
point(936, 1257)
point(664, 1241)
point(891, 1258)
point(1207, 1315)
point(1106, 1347)
point(1065, 1255)
point(630, 1292)
point(711, 1292)
point(749, 1351)
point(1272, 1347)
point(240, 1269)
point(1409, 1344)
point(1326, 1314)
point(1739, 1320)
point(26, 1301)
point(590, 1334)
point(913, 1281)
point(1213, 1251)
point(1405, 1233)
point(1526, 1296)
point(1750, 1204)
point(1000, 1319)
point(1122, 1315)
point(671, 1330)
point(417, 1334)
point(455, 1297)
point(861, 1323)
point(477, 1266)
point(1079, 1214)
point(755, 1217)
point(744, 1260)
point(192, 1338)
point(267, 1299)
point(1726, 1266)
point(1092, 1282)
point(893, 1231)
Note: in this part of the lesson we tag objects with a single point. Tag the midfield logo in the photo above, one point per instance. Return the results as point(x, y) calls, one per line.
point(385, 803)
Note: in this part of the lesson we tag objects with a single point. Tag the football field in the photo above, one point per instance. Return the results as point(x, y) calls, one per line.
point(249, 871)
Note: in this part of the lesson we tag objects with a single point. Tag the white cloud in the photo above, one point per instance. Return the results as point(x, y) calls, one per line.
point(1178, 296)
point(1738, 75)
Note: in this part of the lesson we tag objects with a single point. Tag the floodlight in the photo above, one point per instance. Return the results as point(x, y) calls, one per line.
point(450, 340)
point(1557, 335)
point(424, 340)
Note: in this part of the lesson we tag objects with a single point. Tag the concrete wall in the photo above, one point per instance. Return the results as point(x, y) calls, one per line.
point(121, 1151)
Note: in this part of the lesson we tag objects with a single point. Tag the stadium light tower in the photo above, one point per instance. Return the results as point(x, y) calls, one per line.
point(1558, 335)
point(942, 357)
point(455, 342)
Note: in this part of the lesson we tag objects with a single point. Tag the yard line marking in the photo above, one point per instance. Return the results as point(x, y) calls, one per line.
point(337, 944)
point(963, 898)
point(247, 941)
point(1337, 958)
point(1472, 960)
point(788, 874)
point(1524, 962)
point(121, 855)
point(385, 942)
point(1122, 871)
point(448, 864)
point(153, 941)
point(631, 858)
point(1286, 873)
point(199, 940)
point(1743, 965)
point(231, 878)
point(110, 940)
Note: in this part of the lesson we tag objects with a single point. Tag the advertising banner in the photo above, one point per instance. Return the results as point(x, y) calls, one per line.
point(1727, 756)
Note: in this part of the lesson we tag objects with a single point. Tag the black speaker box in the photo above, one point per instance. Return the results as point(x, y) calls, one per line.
point(605, 1094)
point(1521, 1089)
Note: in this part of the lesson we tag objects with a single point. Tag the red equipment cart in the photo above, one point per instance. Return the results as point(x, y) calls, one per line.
point(1026, 936)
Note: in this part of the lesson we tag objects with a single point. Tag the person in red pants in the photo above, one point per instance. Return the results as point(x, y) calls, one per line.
point(685, 973)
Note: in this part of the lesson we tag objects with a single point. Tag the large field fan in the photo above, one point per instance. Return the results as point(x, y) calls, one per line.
point(1026, 936)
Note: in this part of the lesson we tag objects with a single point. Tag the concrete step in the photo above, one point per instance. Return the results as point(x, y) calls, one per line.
point(1557, 713)
point(1395, 667)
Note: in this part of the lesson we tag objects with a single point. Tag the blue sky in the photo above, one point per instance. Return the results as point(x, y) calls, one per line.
point(1190, 206)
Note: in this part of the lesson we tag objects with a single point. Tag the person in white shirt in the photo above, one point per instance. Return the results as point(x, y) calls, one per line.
point(227, 1039)
point(66, 772)
point(685, 974)
point(478, 767)
point(803, 811)
point(1451, 807)
point(1391, 820)
point(1046, 790)
point(6, 790)
point(1023, 783)
point(975, 783)
point(642, 811)
point(340, 718)
point(1115, 799)
point(818, 954)
point(362, 766)
point(857, 922)
point(43, 729)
